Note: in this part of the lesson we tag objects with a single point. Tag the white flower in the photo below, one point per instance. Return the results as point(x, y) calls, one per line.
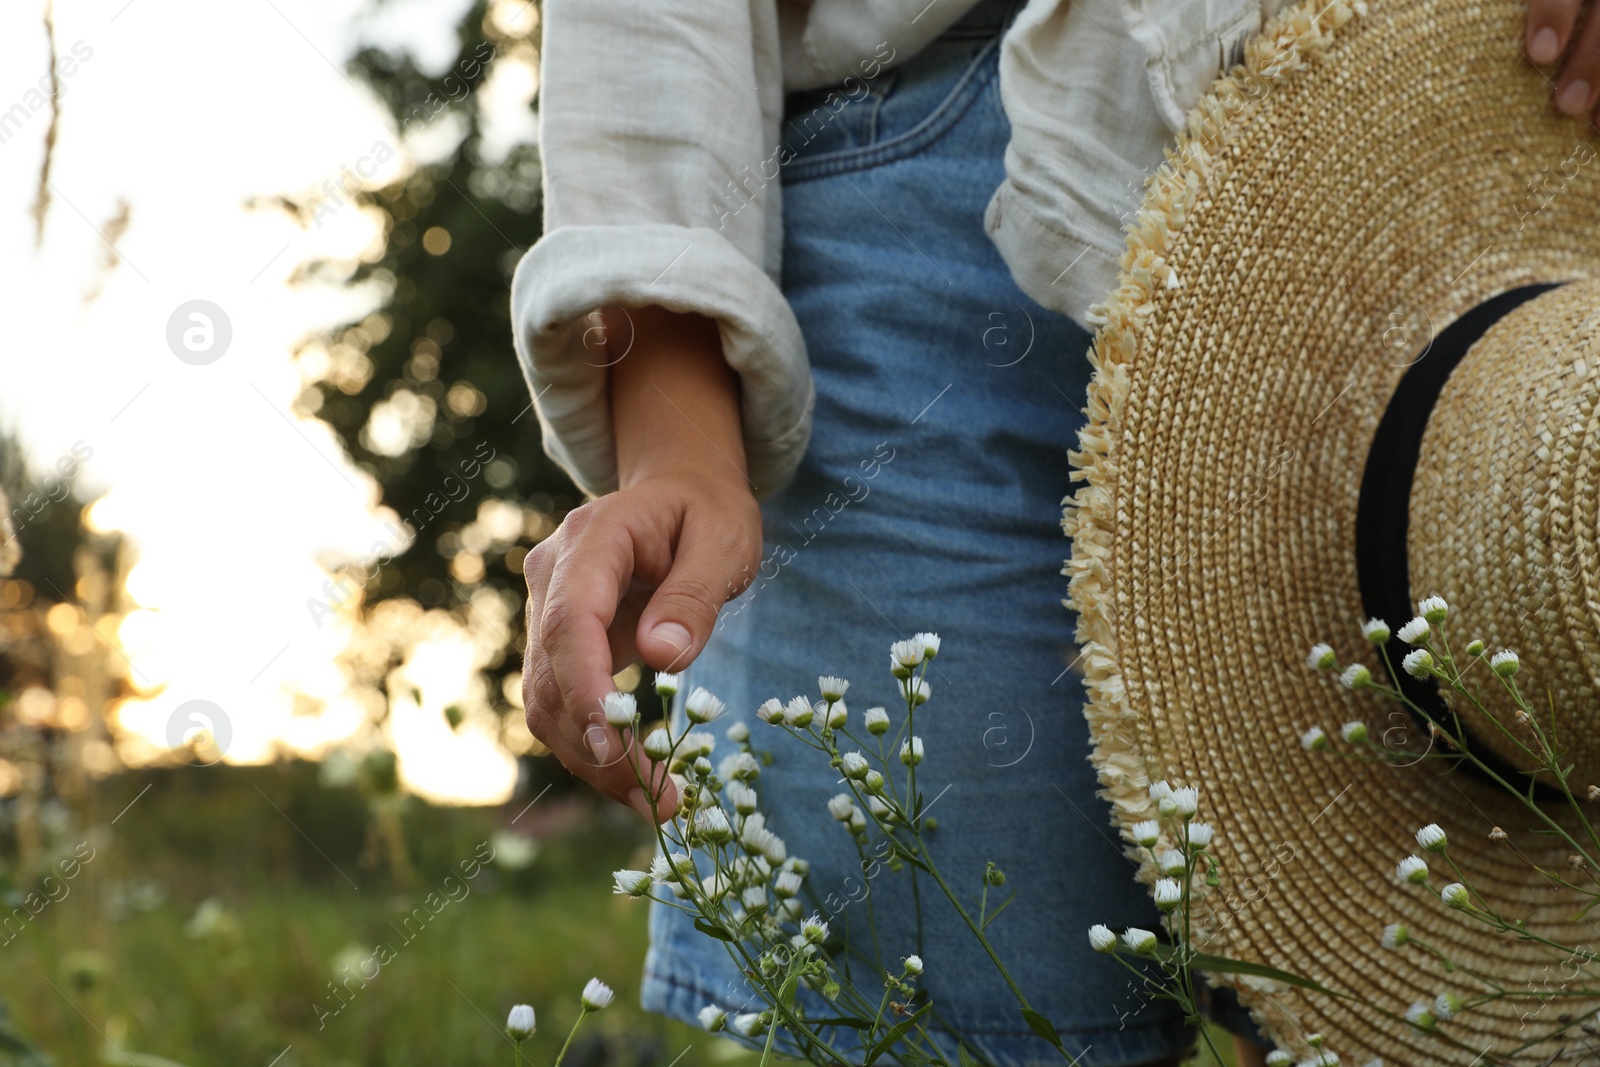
point(1354, 732)
point(1418, 663)
point(1396, 935)
point(712, 824)
point(876, 721)
point(738, 733)
point(1323, 1058)
point(879, 809)
point(520, 1023)
point(916, 691)
point(1101, 939)
point(911, 751)
point(1279, 1058)
point(1169, 894)
point(853, 765)
point(1376, 631)
point(832, 688)
point(658, 744)
point(1187, 800)
point(742, 797)
point(596, 995)
point(930, 643)
point(1445, 1006)
point(667, 684)
point(1199, 834)
point(1160, 791)
point(1314, 739)
point(1412, 869)
point(1172, 862)
point(713, 1018)
point(698, 743)
point(786, 885)
point(873, 783)
point(754, 899)
point(620, 708)
point(1321, 657)
point(907, 653)
point(1167, 806)
point(814, 930)
point(660, 869)
point(771, 711)
point(630, 883)
point(914, 965)
point(837, 713)
point(858, 822)
point(1455, 895)
point(1434, 609)
point(750, 1024)
point(1475, 648)
point(1416, 631)
point(1140, 941)
point(1356, 676)
point(1147, 832)
point(841, 805)
point(1420, 1016)
point(741, 766)
point(1432, 838)
point(703, 707)
point(800, 712)
point(1504, 663)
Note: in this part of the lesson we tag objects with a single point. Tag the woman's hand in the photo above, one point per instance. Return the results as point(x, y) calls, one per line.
point(1552, 31)
point(642, 571)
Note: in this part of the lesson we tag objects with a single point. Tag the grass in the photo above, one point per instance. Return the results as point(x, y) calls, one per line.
point(206, 930)
point(223, 905)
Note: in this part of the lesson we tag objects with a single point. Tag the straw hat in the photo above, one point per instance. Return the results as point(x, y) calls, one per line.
point(1286, 374)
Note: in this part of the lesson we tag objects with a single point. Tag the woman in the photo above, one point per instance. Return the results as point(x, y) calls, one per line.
point(836, 368)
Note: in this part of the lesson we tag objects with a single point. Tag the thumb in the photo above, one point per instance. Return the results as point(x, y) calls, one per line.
point(708, 572)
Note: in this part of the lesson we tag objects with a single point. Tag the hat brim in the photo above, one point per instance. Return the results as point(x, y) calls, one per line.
point(1358, 183)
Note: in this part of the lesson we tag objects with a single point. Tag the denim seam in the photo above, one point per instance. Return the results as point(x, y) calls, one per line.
point(928, 132)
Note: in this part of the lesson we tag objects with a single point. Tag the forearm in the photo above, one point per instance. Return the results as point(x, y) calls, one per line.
point(674, 399)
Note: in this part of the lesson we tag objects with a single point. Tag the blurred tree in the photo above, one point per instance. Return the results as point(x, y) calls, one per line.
point(425, 392)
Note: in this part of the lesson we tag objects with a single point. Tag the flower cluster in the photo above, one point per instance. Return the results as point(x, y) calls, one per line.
point(722, 860)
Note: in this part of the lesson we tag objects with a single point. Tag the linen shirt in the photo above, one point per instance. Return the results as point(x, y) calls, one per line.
point(662, 133)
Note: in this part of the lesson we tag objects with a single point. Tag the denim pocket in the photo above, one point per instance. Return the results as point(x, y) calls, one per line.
point(858, 124)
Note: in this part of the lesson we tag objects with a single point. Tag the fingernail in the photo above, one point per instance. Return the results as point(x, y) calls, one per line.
point(1574, 98)
point(641, 803)
point(674, 634)
point(600, 744)
point(1545, 46)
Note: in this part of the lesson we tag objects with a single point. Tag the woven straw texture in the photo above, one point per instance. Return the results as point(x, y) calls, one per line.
point(1365, 177)
point(1507, 473)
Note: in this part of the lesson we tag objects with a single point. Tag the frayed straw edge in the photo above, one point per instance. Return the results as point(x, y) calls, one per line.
point(1291, 41)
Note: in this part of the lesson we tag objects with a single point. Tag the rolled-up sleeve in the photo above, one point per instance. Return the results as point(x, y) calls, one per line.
point(658, 132)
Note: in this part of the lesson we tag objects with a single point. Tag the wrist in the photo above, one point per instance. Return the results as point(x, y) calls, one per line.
point(674, 400)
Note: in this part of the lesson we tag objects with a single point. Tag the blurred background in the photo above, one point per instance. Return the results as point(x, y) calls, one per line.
point(266, 796)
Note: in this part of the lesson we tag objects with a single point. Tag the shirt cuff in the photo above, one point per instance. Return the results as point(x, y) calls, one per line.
point(1058, 267)
point(575, 270)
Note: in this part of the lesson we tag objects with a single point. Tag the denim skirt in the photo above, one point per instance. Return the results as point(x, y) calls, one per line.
point(929, 500)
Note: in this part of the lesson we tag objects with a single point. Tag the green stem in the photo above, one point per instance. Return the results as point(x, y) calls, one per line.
point(570, 1033)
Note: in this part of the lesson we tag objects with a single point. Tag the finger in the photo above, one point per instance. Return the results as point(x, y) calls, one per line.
point(1548, 28)
point(587, 581)
point(716, 560)
point(1575, 88)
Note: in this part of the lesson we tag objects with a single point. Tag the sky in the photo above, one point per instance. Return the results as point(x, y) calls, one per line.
point(186, 112)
